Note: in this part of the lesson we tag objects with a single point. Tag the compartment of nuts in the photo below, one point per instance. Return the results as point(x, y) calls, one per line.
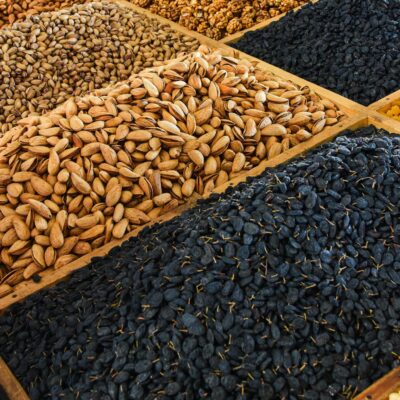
point(51, 57)
point(95, 168)
point(16, 10)
point(218, 18)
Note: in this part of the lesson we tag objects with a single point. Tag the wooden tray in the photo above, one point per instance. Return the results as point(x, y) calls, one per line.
point(381, 389)
point(355, 115)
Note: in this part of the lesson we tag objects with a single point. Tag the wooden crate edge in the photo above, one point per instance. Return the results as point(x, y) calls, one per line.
point(384, 122)
point(381, 389)
point(10, 383)
point(381, 104)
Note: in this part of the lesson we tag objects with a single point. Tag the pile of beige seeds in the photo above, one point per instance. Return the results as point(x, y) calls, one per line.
point(97, 167)
point(52, 56)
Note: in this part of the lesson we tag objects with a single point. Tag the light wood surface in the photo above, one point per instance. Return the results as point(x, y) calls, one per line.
point(378, 109)
point(381, 389)
point(384, 122)
point(385, 103)
point(10, 384)
point(238, 35)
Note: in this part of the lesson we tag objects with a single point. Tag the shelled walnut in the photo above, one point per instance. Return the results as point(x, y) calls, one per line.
point(218, 18)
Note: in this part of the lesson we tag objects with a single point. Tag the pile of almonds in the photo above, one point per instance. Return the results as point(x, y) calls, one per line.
point(14, 10)
point(97, 167)
point(52, 56)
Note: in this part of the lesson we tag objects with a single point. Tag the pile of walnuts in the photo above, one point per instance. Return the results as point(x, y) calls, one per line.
point(218, 18)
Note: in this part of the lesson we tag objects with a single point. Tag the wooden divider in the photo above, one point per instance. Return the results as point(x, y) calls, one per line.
point(381, 389)
point(377, 111)
point(10, 383)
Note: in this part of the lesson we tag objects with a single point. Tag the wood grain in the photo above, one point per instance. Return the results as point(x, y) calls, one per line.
point(381, 389)
point(384, 104)
point(377, 110)
point(383, 122)
point(10, 383)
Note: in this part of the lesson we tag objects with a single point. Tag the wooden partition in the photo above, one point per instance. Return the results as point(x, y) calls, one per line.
point(10, 384)
point(379, 108)
point(382, 388)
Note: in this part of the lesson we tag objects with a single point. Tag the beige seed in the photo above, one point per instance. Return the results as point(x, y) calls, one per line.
point(41, 186)
point(56, 236)
point(238, 162)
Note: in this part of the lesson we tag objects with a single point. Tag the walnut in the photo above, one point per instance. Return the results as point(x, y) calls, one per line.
point(214, 33)
point(221, 19)
point(273, 12)
point(216, 6)
point(142, 3)
point(248, 21)
point(202, 27)
point(235, 6)
point(218, 18)
point(262, 16)
point(234, 25)
point(249, 12)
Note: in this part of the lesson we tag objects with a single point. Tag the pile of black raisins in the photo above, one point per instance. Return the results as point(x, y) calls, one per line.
point(286, 287)
point(351, 47)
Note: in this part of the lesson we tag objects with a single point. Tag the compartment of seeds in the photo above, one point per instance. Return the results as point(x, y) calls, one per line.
point(360, 60)
point(53, 56)
point(219, 19)
point(284, 287)
point(98, 167)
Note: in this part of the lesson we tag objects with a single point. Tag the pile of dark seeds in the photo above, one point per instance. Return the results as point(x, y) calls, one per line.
point(349, 46)
point(284, 288)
